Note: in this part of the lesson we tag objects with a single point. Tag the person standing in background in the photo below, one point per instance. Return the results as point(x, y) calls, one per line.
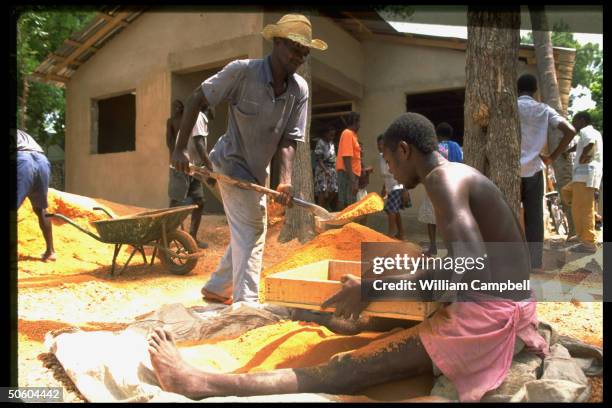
point(580, 193)
point(448, 149)
point(348, 163)
point(535, 118)
point(325, 176)
point(184, 189)
point(33, 175)
point(393, 194)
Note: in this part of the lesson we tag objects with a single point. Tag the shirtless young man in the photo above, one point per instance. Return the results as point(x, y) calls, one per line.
point(472, 343)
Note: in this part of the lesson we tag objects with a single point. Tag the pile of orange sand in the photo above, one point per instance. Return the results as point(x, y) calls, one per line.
point(76, 251)
point(371, 203)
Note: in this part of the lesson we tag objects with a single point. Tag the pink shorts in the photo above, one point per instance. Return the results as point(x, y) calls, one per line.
point(472, 343)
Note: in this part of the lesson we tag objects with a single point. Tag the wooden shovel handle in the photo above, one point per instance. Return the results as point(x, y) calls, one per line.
point(202, 171)
point(313, 208)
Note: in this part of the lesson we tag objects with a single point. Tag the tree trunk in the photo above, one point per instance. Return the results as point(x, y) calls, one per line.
point(299, 223)
point(23, 114)
point(492, 132)
point(549, 91)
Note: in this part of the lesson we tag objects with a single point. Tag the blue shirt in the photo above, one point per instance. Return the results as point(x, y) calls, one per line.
point(455, 154)
point(257, 119)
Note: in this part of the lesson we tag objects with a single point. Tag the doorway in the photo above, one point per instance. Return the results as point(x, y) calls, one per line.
point(440, 106)
point(183, 84)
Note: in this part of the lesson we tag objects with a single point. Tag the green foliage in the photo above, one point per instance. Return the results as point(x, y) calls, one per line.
point(588, 67)
point(40, 31)
point(396, 12)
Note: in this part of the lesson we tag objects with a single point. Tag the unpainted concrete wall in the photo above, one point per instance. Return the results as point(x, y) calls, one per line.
point(400, 70)
point(142, 58)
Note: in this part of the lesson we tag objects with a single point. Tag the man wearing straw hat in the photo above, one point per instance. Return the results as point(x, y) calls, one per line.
point(267, 115)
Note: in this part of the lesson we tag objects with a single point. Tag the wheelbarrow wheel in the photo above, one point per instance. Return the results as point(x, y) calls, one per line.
point(182, 243)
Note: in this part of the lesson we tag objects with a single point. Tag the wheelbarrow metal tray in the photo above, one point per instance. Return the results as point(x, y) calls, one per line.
point(141, 228)
point(308, 286)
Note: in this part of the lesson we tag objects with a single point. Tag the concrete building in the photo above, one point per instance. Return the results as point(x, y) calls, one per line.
point(123, 71)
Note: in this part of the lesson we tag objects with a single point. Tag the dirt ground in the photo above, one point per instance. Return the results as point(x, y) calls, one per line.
point(93, 300)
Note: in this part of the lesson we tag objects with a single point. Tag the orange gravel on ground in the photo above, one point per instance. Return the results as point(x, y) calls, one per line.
point(76, 291)
point(287, 344)
point(371, 203)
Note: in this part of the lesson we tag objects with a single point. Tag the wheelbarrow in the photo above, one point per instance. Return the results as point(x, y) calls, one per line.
point(159, 229)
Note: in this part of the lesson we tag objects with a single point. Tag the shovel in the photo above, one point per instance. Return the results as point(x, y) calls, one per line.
point(203, 173)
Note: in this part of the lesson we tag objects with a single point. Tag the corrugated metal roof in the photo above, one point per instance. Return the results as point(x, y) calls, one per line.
point(361, 23)
point(60, 65)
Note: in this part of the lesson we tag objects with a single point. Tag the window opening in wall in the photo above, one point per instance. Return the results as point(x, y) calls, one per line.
point(114, 124)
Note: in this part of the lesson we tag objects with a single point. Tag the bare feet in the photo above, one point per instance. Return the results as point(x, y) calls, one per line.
point(48, 256)
point(213, 297)
point(172, 372)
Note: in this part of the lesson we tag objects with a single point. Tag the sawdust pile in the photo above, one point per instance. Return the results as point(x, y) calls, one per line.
point(371, 203)
point(76, 251)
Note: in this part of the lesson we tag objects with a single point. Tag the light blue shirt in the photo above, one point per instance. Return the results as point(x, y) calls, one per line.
point(257, 120)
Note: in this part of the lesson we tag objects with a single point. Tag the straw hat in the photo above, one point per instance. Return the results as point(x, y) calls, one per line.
point(295, 27)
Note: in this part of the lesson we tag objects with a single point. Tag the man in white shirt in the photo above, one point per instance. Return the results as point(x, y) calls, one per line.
point(182, 187)
point(535, 118)
point(580, 193)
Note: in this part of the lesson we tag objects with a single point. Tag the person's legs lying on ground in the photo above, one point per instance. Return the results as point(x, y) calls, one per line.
point(397, 356)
